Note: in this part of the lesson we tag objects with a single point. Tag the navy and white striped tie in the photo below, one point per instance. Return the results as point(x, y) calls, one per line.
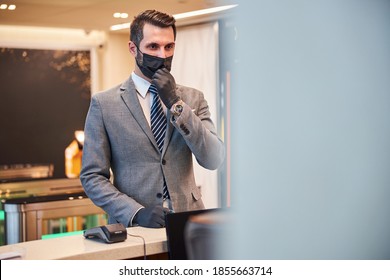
point(158, 123)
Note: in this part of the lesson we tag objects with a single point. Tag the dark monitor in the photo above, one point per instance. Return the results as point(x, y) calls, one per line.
point(175, 224)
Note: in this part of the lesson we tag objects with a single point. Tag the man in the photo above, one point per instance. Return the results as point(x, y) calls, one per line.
point(151, 174)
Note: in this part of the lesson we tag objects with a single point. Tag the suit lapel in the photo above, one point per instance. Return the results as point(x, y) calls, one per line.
point(129, 97)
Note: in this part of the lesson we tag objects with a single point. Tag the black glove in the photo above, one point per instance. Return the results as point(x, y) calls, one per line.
point(166, 86)
point(152, 217)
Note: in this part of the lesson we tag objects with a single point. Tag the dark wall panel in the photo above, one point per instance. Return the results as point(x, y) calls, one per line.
point(44, 98)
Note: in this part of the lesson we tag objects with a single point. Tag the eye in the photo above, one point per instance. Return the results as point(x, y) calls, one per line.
point(153, 46)
point(170, 47)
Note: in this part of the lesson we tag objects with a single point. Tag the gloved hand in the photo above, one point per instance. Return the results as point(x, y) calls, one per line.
point(166, 86)
point(152, 217)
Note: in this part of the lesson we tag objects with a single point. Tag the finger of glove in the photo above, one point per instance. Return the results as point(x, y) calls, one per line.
point(155, 224)
point(163, 78)
point(158, 219)
point(161, 72)
point(150, 217)
point(158, 77)
point(146, 214)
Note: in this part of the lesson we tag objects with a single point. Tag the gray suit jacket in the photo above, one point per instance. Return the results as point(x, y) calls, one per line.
point(118, 137)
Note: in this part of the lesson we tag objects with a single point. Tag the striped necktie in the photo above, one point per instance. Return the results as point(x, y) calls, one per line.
point(158, 123)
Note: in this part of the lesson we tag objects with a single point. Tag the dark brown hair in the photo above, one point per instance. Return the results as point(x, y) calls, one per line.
point(153, 17)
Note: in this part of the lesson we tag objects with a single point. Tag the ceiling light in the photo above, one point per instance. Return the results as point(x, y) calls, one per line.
point(120, 15)
point(120, 26)
point(179, 16)
point(5, 6)
point(203, 12)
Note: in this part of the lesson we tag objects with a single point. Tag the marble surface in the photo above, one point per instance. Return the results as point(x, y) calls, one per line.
point(79, 248)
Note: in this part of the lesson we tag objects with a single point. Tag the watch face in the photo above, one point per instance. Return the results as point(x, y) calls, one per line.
point(178, 108)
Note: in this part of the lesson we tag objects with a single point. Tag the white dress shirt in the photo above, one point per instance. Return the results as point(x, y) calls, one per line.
point(144, 96)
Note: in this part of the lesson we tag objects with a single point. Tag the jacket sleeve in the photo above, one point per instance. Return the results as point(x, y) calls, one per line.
point(198, 130)
point(95, 172)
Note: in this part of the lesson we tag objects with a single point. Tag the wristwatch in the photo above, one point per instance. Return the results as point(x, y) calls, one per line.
point(177, 108)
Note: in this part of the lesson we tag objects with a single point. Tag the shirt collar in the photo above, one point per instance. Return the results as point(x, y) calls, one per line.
point(141, 85)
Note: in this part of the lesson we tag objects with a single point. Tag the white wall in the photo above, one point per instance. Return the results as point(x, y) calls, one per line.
point(117, 62)
point(195, 64)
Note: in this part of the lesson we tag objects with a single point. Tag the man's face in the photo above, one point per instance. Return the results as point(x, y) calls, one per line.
point(157, 41)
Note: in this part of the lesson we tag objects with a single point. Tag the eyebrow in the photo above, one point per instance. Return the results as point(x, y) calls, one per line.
point(155, 43)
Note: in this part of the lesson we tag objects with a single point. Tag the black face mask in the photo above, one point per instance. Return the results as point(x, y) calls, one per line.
point(149, 64)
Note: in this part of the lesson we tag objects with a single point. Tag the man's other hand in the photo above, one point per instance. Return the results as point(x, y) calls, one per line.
point(152, 217)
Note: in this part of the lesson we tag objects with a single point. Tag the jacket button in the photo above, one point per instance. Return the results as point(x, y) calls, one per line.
point(159, 195)
point(185, 129)
point(163, 162)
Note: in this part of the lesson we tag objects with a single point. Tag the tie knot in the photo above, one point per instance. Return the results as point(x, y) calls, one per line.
point(153, 89)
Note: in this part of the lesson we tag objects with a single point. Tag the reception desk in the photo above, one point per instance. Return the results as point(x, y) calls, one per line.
point(79, 248)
